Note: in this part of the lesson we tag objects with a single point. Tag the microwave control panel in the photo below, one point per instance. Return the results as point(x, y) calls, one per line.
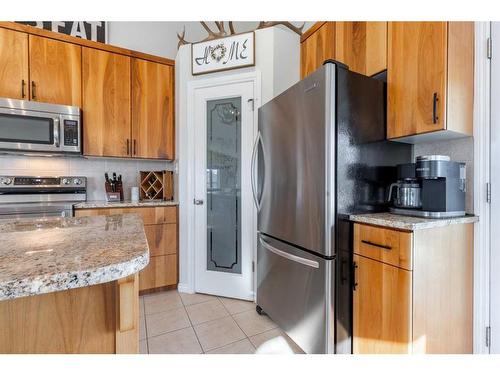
point(70, 133)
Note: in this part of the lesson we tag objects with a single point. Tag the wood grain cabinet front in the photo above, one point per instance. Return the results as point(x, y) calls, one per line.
point(161, 229)
point(152, 110)
point(14, 74)
point(425, 307)
point(430, 78)
point(55, 71)
point(106, 103)
point(316, 45)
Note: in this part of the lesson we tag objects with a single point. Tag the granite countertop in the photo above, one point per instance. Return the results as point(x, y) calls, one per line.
point(124, 204)
point(45, 255)
point(385, 219)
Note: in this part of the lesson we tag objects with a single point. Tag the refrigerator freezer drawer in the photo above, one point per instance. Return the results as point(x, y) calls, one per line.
point(294, 288)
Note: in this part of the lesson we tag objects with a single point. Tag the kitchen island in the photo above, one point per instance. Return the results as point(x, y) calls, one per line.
point(70, 285)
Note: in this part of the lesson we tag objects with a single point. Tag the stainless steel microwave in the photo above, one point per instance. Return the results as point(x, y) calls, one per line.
point(42, 128)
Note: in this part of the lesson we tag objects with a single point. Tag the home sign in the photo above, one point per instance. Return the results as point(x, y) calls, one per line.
point(232, 52)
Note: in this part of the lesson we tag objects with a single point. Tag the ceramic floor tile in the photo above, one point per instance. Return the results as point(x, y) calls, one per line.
point(142, 327)
point(274, 341)
point(252, 323)
point(183, 341)
point(240, 347)
point(191, 299)
point(166, 321)
point(235, 306)
point(218, 333)
point(206, 311)
point(163, 301)
point(143, 347)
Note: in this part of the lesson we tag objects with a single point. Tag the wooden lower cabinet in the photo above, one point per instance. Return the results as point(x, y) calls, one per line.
point(423, 308)
point(160, 226)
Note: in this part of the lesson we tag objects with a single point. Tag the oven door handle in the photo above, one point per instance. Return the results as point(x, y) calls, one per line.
point(57, 132)
point(293, 258)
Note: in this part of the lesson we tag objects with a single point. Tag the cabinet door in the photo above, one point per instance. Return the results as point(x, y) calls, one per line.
point(362, 46)
point(381, 308)
point(317, 47)
point(106, 103)
point(416, 75)
point(152, 110)
point(13, 64)
point(55, 71)
point(160, 272)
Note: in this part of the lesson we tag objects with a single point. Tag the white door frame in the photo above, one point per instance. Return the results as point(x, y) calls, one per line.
point(481, 314)
point(186, 198)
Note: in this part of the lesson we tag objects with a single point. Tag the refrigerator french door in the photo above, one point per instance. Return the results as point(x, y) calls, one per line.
point(320, 154)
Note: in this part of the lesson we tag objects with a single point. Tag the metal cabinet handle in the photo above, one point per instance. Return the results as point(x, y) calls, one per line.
point(354, 279)
point(23, 85)
point(128, 146)
point(33, 92)
point(135, 147)
point(294, 258)
point(385, 247)
point(435, 117)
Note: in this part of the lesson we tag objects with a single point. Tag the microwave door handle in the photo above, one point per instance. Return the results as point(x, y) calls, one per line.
point(57, 132)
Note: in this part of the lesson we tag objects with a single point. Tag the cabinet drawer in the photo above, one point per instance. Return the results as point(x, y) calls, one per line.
point(386, 245)
point(150, 215)
point(161, 271)
point(162, 239)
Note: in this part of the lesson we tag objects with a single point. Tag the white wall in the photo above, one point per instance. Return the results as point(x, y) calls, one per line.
point(277, 56)
point(160, 38)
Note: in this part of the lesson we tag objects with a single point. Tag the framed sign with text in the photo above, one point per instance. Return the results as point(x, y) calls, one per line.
point(90, 30)
point(232, 52)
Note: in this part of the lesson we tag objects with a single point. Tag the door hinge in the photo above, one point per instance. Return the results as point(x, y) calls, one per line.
point(253, 266)
point(252, 102)
point(489, 47)
point(488, 192)
point(488, 337)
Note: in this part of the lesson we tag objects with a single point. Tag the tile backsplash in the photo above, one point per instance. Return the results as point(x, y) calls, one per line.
point(92, 168)
point(461, 150)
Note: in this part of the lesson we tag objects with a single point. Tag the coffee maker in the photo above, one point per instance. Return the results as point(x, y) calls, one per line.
point(433, 187)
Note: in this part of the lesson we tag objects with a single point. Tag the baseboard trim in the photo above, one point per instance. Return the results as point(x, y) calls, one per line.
point(185, 288)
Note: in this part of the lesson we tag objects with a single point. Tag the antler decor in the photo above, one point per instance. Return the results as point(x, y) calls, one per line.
point(221, 31)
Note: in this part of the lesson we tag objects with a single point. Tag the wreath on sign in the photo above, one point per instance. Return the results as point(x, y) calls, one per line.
point(218, 52)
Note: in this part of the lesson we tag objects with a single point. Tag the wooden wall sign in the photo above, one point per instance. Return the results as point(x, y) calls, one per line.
point(90, 30)
point(232, 52)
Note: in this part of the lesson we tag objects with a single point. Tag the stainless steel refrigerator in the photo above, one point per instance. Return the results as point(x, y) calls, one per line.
point(320, 155)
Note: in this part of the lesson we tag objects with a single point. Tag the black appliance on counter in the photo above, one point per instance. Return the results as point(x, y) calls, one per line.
point(433, 187)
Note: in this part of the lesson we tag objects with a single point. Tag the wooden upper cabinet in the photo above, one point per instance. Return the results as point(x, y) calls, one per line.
point(362, 46)
point(13, 64)
point(106, 103)
point(381, 308)
point(55, 71)
point(430, 77)
point(316, 45)
point(152, 110)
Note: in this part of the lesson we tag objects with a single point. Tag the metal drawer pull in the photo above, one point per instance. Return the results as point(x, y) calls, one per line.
point(294, 258)
point(377, 245)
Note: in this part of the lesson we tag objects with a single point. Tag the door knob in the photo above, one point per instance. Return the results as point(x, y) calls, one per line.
point(198, 202)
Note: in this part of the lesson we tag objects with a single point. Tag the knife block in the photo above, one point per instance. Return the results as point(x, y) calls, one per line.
point(114, 196)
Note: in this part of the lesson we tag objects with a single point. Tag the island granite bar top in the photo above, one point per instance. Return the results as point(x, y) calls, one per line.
point(125, 204)
point(45, 255)
point(386, 219)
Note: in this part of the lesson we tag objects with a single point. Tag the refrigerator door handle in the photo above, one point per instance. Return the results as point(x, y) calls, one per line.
point(293, 258)
point(253, 171)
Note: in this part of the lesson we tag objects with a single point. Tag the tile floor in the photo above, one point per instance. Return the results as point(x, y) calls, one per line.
point(178, 323)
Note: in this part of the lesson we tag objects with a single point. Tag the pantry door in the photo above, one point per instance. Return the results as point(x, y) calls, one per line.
point(225, 127)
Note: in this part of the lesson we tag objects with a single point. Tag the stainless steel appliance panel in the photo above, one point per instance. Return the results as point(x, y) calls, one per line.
point(34, 127)
point(293, 147)
point(295, 289)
